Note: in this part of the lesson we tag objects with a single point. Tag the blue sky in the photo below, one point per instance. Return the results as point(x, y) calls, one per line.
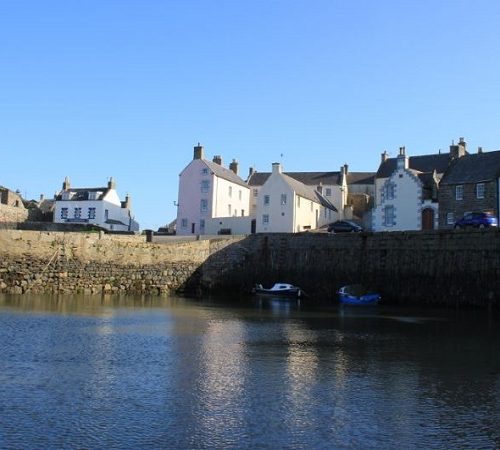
point(93, 89)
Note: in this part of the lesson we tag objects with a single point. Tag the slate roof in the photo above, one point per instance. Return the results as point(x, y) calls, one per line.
point(83, 193)
point(316, 178)
point(422, 163)
point(224, 173)
point(473, 168)
point(307, 192)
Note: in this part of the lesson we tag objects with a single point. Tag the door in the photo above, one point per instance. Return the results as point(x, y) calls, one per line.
point(428, 219)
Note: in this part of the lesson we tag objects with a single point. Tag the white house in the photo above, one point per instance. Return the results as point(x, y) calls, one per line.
point(207, 190)
point(285, 205)
point(97, 206)
point(406, 192)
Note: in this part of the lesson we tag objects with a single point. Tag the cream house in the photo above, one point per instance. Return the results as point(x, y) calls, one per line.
point(285, 205)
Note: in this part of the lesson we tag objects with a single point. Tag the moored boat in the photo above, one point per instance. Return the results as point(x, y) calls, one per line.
point(355, 294)
point(279, 289)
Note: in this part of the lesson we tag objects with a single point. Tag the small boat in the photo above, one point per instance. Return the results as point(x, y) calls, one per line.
point(355, 294)
point(279, 289)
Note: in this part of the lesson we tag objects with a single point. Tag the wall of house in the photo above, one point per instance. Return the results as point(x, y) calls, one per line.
point(222, 200)
point(469, 203)
point(406, 202)
point(281, 219)
point(306, 215)
point(12, 214)
point(190, 195)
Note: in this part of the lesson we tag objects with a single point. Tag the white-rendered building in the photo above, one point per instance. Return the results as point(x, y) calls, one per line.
point(406, 198)
point(207, 190)
point(286, 205)
point(95, 206)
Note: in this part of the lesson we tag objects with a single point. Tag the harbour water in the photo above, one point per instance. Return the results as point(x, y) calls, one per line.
point(157, 373)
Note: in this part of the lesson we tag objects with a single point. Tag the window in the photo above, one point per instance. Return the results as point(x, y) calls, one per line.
point(312, 207)
point(298, 201)
point(389, 191)
point(283, 199)
point(205, 185)
point(266, 200)
point(229, 210)
point(203, 205)
point(265, 219)
point(66, 195)
point(480, 190)
point(450, 218)
point(389, 216)
point(204, 171)
point(184, 223)
point(91, 213)
point(242, 212)
point(64, 213)
point(77, 213)
point(202, 225)
point(328, 192)
point(239, 194)
point(459, 192)
point(255, 192)
point(230, 191)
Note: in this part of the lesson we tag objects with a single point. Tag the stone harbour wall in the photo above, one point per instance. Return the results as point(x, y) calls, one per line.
point(92, 263)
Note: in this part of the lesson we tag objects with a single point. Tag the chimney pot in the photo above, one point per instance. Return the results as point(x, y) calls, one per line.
point(234, 166)
point(217, 160)
point(198, 152)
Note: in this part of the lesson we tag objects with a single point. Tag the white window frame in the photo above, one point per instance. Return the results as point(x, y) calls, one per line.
point(91, 212)
point(184, 223)
point(64, 213)
point(450, 218)
point(283, 199)
point(265, 219)
point(203, 205)
point(328, 192)
point(205, 185)
point(267, 200)
point(480, 190)
point(77, 212)
point(459, 192)
point(389, 219)
point(230, 191)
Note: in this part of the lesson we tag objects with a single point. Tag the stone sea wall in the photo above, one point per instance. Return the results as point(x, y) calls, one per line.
point(436, 267)
point(92, 263)
point(452, 268)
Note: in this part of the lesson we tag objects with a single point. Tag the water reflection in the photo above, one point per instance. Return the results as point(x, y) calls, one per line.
point(139, 372)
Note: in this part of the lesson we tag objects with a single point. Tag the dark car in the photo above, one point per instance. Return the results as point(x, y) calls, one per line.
point(477, 220)
point(344, 226)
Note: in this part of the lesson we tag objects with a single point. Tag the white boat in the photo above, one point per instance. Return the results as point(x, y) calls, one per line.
point(279, 289)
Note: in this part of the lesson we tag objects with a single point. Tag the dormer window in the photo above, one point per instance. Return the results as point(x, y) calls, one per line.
point(92, 195)
point(66, 195)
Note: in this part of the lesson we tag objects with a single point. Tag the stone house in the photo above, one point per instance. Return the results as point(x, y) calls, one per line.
point(12, 209)
point(99, 206)
point(286, 205)
point(407, 189)
point(471, 184)
point(208, 191)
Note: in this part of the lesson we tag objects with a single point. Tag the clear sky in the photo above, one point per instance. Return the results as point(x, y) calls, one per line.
point(125, 88)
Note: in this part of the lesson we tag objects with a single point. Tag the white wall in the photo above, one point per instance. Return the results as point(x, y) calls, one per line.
point(281, 217)
point(407, 202)
point(237, 225)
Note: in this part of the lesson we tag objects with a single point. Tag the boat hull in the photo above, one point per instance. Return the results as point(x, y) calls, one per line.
point(367, 299)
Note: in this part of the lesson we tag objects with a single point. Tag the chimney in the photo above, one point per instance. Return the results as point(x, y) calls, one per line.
point(402, 161)
point(234, 166)
point(198, 152)
point(127, 203)
point(217, 160)
point(346, 169)
point(42, 197)
point(251, 171)
point(111, 183)
point(66, 184)
point(480, 149)
point(384, 156)
point(277, 168)
point(457, 151)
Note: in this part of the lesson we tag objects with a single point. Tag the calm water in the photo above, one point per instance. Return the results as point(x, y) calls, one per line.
point(87, 373)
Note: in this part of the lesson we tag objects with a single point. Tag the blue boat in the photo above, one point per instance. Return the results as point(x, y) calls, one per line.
point(355, 294)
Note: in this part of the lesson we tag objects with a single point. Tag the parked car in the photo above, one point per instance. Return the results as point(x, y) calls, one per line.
point(477, 220)
point(344, 226)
